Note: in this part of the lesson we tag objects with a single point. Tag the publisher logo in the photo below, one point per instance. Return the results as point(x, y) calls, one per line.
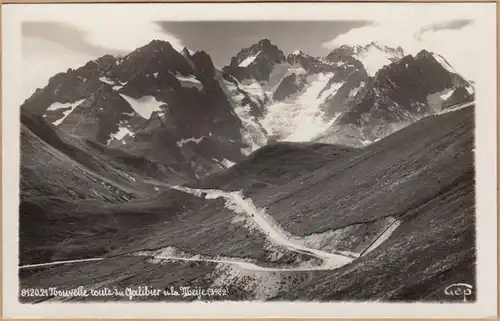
point(462, 290)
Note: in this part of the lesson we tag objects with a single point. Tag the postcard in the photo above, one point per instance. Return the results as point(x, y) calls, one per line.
point(249, 160)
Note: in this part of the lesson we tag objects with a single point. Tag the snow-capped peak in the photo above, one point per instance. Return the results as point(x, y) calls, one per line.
point(297, 53)
point(374, 56)
point(187, 51)
point(372, 46)
point(443, 62)
point(270, 53)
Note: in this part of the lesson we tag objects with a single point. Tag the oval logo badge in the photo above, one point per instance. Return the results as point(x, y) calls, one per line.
point(459, 289)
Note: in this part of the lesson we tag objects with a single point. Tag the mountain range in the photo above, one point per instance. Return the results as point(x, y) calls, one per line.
point(338, 161)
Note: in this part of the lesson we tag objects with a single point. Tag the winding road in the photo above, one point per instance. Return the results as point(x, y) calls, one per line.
point(274, 233)
point(241, 205)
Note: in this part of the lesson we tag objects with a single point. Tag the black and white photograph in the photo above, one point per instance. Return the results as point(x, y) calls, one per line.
point(250, 153)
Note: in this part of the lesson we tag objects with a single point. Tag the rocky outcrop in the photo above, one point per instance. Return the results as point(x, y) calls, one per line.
point(256, 61)
point(290, 85)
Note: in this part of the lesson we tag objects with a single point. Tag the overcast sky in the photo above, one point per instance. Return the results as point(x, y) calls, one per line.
point(53, 45)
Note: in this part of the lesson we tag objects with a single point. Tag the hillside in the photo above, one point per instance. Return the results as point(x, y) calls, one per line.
point(343, 205)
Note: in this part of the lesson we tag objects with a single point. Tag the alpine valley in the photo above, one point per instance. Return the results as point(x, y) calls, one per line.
point(277, 177)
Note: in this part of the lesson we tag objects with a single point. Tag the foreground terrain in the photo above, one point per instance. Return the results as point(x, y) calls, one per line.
point(294, 221)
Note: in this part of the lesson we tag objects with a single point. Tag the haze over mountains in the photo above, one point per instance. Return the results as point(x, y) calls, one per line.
point(362, 158)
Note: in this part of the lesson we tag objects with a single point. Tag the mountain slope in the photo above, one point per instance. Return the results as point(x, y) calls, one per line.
point(342, 205)
point(398, 95)
point(279, 94)
point(143, 104)
point(61, 173)
point(256, 62)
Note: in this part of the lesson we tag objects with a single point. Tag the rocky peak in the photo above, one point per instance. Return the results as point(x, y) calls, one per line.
point(423, 54)
point(402, 91)
point(309, 63)
point(204, 64)
point(157, 44)
point(343, 53)
point(107, 61)
point(262, 50)
point(296, 53)
point(186, 52)
point(267, 45)
point(395, 53)
point(256, 61)
point(416, 77)
point(373, 56)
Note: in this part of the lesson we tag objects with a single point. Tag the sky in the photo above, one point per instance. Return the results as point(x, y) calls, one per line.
point(57, 43)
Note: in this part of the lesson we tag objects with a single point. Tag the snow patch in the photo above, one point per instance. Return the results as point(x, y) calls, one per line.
point(297, 71)
point(254, 89)
point(444, 63)
point(253, 133)
point(189, 81)
point(365, 142)
point(330, 92)
point(248, 60)
point(447, 94)
point(227, 163)
point(144, 106)
point(373, 61)
point(58, 105)
point(106, 81)
point(435, 100)
point(187, 57)
point(120, 133)
point(192, 139)
point(355, 90)
point(374, 58)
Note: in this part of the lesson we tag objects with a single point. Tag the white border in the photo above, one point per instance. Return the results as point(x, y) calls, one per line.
point(486, 305)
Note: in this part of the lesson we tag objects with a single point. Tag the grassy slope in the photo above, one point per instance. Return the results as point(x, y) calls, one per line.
point(423, 175)
point(388, 178)
point(67, 185)
point(73, 210)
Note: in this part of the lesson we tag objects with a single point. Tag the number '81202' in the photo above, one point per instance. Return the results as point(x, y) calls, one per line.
point(34, 292)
